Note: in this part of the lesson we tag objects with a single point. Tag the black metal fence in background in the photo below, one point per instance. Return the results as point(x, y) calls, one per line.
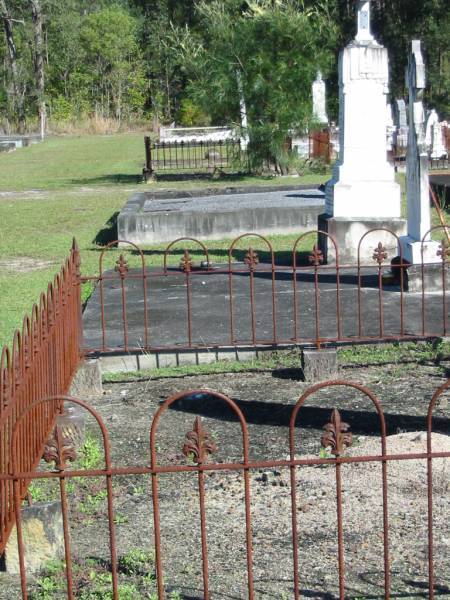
point(205, 156)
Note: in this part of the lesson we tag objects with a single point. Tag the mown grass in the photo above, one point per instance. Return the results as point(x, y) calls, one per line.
point(73, 186)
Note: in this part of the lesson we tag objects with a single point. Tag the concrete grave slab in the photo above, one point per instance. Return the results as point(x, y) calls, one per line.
point(147, 220)
point(167, 330)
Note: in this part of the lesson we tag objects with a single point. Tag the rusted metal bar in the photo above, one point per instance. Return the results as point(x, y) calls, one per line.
point(304, 331)
point(43, 360)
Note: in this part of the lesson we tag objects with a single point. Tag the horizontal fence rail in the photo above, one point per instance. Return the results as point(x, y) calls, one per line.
point(41, 362)
point(256, 297)
point(196, 459)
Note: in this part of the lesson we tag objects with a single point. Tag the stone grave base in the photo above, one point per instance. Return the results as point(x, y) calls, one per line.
point(147, 220)
point(348, 232)
point(432, 278)
point(43, 538)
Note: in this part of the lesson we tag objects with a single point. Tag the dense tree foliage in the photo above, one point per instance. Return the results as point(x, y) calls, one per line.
point(167, 60)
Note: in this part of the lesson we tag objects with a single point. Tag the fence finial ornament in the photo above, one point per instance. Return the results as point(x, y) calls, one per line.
point(121, 265)
point(199, 443)
point(380, 254)
point(337, 435)
point(316, 256)
point(444, 250)
point(186, 262)
point(251, 259)
point(59, 449)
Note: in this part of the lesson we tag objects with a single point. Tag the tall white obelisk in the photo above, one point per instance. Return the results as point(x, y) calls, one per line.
point(362, 193)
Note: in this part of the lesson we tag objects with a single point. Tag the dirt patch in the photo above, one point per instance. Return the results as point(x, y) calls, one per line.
point(24, 195)
point(266, 400)
point(25, 264)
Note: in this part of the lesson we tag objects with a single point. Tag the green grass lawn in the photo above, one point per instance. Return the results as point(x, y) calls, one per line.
point(71, 187)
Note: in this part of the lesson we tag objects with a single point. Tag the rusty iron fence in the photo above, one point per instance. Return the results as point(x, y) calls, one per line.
point(320, 145)
point(263, 298)
point(196, 458)
point(204, 156)
point(41, 362)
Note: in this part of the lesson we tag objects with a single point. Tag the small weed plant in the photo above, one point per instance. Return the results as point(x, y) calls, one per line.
point(92, 579)
point(89, 456)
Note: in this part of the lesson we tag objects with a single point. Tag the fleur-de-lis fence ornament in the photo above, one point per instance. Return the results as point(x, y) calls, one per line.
point(337, 435)
point(251, 259)
point(59, 449)
point(186, 262)
point(380, 254)
point(121, 266)
point(199, 443)
point(316, 256)
point(444, 250)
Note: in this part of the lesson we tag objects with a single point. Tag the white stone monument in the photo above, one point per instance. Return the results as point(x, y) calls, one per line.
point(434, 137)
point(390, 128)
point(362, 193)
point(401, 138)
point(319, 93)
point(244, 138)
point(417, 181)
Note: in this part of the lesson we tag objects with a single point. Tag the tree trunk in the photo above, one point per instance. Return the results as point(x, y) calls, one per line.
point(36, 14)
point(12, 54)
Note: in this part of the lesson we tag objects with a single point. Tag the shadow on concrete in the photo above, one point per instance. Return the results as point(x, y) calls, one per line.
point(257, 412)
point(281, 257)
point(109, 233)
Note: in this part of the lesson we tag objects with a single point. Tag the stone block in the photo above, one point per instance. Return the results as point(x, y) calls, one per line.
point(432, 278)
point(348, 232)
point(87, 382)
point(43, 538)
point(319, 365)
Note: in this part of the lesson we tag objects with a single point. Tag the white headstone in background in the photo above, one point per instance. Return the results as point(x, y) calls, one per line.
point(390, 127)
point(434, 137)
point(401, 138)
point(319, 93)
point(363, 183)
point(417, 181)
point(243, 112)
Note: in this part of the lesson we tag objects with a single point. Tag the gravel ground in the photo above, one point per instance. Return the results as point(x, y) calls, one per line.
point(266, 400)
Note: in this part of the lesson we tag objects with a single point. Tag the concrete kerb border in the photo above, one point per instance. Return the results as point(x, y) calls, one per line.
point(137, 361)
point(156, 359)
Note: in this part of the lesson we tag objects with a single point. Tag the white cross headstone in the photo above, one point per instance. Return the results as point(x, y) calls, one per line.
point(417, 180)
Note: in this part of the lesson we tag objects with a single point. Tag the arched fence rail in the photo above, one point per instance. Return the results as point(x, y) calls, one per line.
point(190, 297)
point(203, 454)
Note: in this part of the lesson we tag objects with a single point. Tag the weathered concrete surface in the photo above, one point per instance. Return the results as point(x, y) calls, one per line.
point(433, 277)
point(319, 365)
point(87, 382)
point(43, 538)
point(145, 220)
point(211, 318)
